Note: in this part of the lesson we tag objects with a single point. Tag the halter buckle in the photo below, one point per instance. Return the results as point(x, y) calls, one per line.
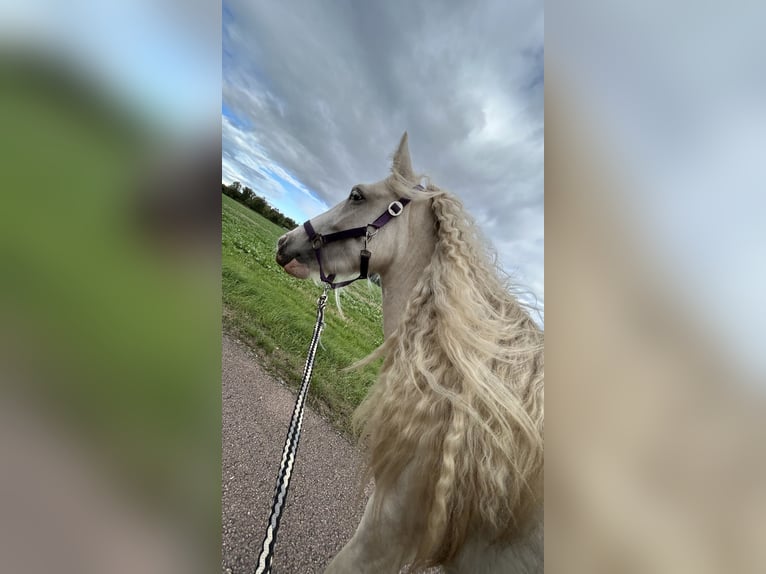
point(316, 243)
point(399, 208)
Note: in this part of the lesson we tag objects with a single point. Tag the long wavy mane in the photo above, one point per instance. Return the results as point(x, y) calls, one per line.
point(460, 396)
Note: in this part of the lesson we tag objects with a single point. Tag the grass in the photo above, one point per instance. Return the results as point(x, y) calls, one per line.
point(275, 313)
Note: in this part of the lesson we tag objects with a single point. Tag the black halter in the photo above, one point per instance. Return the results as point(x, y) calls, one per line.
point(368, 232)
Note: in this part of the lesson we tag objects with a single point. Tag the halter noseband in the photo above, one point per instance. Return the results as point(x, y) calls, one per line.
point(317, 240)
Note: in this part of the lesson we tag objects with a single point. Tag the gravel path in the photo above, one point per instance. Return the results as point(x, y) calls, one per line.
point(323, 507)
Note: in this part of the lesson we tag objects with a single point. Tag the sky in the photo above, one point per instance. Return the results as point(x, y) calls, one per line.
point(137, 51)
point(317, 95)
point(681, 98)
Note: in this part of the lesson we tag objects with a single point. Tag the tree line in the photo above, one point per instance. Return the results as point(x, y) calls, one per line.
point(247, 196)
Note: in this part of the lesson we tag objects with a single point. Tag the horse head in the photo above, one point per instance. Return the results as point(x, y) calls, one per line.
point(372, 223)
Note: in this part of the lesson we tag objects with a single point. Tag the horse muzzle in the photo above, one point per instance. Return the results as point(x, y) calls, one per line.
point(288, 260)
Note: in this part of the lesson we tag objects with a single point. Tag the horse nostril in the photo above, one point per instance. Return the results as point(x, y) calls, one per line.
point(282, 257)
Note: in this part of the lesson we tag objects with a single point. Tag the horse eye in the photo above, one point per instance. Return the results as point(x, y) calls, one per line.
point(355, 195)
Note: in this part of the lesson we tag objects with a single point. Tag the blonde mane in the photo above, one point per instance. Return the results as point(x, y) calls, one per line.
point(460, 396)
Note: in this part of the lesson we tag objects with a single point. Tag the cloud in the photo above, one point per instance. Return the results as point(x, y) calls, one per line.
point(323, 91)
point(684, 115)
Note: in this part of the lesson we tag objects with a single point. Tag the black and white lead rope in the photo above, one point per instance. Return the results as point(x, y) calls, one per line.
point(291, 447)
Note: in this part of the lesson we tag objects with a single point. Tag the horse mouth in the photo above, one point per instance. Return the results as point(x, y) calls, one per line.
point(296, 269)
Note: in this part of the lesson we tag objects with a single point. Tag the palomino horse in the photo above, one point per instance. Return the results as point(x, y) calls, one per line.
point(453, 427)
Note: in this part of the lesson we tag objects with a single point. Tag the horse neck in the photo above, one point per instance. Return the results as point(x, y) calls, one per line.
point(399, 280)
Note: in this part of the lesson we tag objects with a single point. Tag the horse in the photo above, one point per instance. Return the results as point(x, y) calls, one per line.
point(453, 426)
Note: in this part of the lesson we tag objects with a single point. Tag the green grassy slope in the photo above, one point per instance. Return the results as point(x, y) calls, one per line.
point(276, 313)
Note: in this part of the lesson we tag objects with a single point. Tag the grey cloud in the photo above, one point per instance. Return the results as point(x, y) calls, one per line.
point(328, 88)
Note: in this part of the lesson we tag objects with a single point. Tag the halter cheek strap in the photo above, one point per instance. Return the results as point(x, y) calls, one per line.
point(368, 231)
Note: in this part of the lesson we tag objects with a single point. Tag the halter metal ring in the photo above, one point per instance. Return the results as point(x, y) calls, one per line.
point(398, 205)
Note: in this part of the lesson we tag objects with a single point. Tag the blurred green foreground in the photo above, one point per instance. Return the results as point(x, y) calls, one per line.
point(109, 315)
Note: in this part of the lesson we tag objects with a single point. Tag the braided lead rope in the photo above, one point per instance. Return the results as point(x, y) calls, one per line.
point(291, 447)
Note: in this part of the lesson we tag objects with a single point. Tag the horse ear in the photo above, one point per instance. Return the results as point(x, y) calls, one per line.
point(402, 163)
